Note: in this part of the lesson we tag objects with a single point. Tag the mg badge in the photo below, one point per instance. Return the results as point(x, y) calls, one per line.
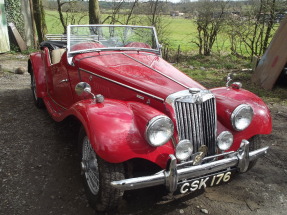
point(202, 151)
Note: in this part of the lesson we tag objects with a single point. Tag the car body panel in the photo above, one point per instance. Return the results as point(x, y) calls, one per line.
point(228, 99)
point(144, 71)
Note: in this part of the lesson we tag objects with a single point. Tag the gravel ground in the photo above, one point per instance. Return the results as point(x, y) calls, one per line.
point(39, 172)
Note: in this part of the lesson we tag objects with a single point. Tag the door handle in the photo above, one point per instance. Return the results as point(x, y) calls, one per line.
point(64, 80)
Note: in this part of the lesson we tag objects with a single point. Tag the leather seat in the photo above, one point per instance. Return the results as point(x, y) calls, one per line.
point(56, 55)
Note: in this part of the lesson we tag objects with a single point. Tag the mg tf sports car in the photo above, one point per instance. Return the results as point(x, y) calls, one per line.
point(143, 123)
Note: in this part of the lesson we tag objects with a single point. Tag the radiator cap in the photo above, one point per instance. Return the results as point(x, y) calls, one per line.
point(194, 90)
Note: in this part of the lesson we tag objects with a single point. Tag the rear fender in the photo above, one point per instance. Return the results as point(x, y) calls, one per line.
point(36, 64)
point(227, 99)
point(116, 130)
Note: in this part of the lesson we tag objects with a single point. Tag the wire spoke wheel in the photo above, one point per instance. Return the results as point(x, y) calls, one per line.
point(89, 159)
point(98, 175)
point(38, 101)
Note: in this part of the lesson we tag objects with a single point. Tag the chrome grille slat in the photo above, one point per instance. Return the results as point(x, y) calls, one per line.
point(197, 123)
point(189, 120)
point(185, 118)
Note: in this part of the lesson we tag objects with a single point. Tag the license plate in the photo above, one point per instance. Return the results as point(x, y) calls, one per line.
point(206, 181)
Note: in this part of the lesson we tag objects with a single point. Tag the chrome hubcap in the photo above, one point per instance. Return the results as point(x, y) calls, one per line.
point(89, 166)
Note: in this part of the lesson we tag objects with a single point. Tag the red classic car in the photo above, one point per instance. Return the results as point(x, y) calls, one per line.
point(143, 122)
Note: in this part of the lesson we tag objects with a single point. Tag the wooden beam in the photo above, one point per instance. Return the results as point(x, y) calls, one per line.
point(15, 34)
point(274, 59)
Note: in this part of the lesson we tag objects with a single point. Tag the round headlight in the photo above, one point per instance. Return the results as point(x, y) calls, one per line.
point(241, 117)
point(224, 140)
point(159, 130)
point(183, 150)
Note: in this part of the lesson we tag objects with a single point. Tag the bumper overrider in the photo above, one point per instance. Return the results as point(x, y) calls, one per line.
point(184, 171)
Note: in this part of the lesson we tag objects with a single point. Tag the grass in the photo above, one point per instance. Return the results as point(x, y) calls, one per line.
point(180, 31)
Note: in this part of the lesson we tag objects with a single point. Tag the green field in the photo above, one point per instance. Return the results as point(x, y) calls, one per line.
point(180, 31)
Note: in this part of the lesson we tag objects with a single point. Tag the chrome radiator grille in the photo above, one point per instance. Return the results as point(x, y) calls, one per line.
point(197, 123)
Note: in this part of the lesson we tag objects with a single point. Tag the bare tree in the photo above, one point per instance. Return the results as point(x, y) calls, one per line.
point(118, 15)
point(210, 20)
point(131, 12)
point(252, 32)
point(114, 17)
point(39, 18)
point(154, 11)
point(71, 15)
point(270, 8)
point(94, 12)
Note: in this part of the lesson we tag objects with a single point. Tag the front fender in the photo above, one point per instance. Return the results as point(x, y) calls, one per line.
point(116, 130)
point(36, 65)
point(227, 99)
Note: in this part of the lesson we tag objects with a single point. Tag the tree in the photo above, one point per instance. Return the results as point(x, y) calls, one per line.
point(154, 11)
point(39, 18)
point(254, 31)
point(72, 15)
point(209, 21)
point(118, 15)
point(116, 7)
point(94, 12)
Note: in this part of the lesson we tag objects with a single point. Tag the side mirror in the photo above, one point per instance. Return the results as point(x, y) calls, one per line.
point(83, 87)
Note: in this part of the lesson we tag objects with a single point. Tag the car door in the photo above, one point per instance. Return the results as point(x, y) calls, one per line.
point(61, 93)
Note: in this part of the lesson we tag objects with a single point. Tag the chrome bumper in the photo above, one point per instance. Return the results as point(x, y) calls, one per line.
point(239, 159)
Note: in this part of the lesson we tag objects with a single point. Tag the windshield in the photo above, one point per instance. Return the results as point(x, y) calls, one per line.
point(86, 38)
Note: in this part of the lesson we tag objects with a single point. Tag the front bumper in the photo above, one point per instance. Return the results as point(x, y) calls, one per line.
point(177, 172)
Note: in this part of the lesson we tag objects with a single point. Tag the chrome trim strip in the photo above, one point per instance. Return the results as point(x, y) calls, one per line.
point(170, 78)
point(207, 158)
point(114, 49)
point(107, 25)
point(204, 93)
point(123, 85)
point(173, 175)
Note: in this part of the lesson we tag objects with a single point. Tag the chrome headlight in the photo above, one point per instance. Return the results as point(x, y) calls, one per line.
point(183, 150)
point(159, 130)
point(241, 117)
point(224, 140)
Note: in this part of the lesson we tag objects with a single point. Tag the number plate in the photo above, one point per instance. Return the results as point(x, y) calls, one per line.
point(206, 181)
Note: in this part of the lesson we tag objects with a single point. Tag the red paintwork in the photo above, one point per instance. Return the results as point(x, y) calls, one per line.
point(116, 127)
point(86, 45)
point(121, 68)
point(228, 99)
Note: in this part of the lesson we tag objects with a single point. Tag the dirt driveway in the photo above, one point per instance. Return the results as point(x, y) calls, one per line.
point(39, 173)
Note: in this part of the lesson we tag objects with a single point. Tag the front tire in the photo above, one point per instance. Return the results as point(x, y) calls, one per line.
point(254, 144)
point(97, 176)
